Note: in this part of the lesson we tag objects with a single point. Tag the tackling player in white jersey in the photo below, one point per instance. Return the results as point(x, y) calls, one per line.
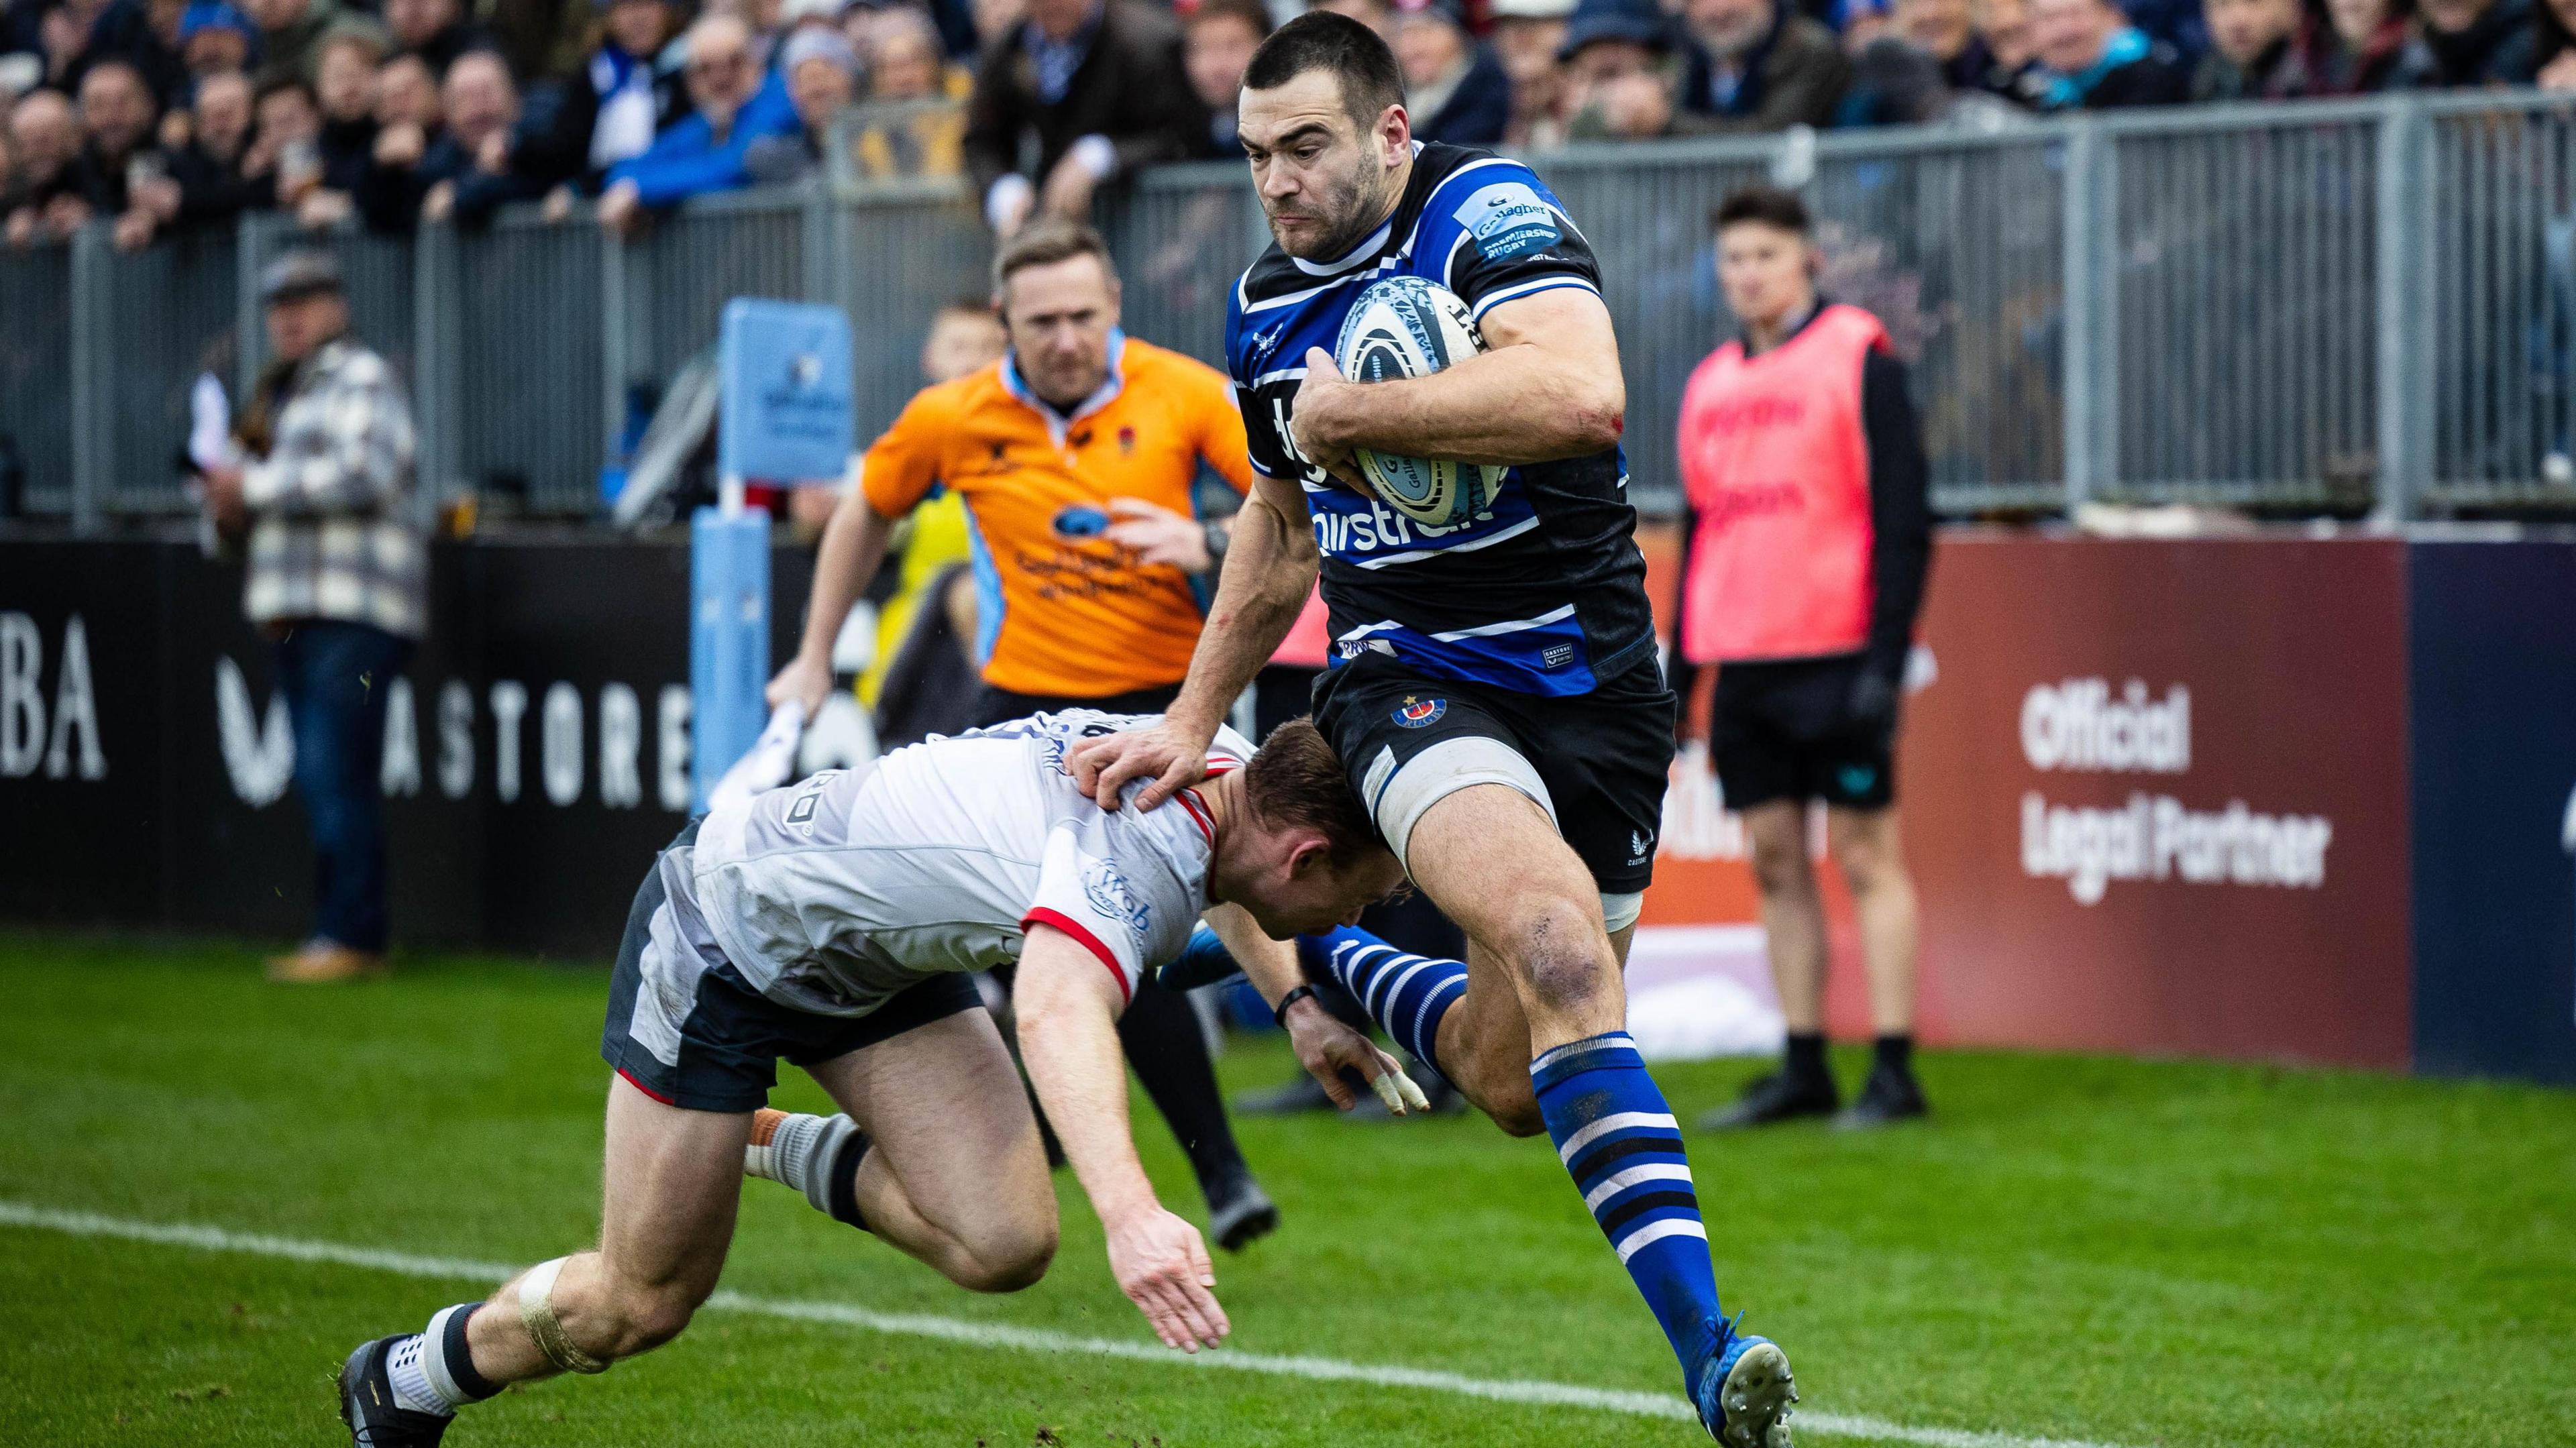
point(836, 923)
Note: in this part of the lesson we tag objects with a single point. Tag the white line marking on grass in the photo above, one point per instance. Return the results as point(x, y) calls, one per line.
point(1022, 1339)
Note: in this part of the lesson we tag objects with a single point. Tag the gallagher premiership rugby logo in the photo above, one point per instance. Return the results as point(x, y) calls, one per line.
point(1420, 713)
point(1111, 895)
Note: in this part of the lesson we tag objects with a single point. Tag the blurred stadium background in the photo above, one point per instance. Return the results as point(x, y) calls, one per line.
point(2252, 424)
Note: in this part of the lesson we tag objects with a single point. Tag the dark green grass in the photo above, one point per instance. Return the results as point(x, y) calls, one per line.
point(2128, 1252)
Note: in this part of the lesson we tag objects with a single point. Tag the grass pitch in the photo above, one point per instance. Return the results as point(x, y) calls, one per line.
point(2101, 1250)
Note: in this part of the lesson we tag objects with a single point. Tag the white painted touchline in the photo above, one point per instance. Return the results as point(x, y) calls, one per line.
point(1024, 1339)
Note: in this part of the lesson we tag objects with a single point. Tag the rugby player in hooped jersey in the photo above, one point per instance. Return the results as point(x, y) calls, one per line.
point(835, 923)
point(1495, 693)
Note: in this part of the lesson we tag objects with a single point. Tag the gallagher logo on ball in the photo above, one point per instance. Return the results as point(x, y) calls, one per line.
point(1420, 713)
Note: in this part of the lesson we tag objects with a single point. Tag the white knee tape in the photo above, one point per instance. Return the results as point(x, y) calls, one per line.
point(1618, 912)
point(1399, 796)
point(537, 1314)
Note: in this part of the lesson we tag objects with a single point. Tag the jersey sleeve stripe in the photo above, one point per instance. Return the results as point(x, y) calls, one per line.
point(1045, 915)
point(1531, 288)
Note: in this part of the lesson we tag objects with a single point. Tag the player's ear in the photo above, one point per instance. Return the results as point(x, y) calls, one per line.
point(1395, 128)
point(1308, 856)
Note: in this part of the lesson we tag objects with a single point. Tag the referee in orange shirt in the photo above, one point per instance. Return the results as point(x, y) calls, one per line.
point(1077, 455)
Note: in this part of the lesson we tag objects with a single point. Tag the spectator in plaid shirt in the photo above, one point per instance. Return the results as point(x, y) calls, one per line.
point(337, 568)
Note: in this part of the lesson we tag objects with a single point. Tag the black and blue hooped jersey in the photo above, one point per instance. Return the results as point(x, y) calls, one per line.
point(1544, 593)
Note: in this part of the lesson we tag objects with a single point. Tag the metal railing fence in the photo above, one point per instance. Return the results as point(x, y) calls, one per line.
point(2348, 306)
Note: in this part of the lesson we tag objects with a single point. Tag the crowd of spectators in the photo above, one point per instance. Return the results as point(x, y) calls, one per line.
point(165, 114)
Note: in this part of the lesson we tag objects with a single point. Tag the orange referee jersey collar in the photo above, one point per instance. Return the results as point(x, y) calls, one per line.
point(1057, 422)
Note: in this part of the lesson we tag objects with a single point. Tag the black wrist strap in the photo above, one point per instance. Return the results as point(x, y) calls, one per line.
point(1303, 992)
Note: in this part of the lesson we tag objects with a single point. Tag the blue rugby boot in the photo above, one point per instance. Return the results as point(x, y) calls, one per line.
point(1743, 1389)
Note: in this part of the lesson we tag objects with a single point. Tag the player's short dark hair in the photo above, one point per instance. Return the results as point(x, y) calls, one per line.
point(1322, 40)
point(1044, 243)
point(1297, 779)
point(966, 307)
point(1250, 12)
point(1769, 205)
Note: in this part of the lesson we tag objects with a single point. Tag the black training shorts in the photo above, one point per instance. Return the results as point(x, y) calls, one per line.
point(1602, 756)
point(1784, 730)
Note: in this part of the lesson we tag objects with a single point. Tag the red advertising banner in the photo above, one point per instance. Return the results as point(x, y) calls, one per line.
point(2155, 797)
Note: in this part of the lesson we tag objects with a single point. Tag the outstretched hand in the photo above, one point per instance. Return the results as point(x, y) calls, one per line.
point(1172, 756)
point(1328, 1049)
point(1162, 1264)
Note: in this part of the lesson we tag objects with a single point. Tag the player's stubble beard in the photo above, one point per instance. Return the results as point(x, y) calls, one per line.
point(1353, 206)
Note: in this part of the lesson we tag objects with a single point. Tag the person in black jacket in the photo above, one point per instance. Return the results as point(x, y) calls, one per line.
point(1810, 715)
point(436, 31)
point(621, 98)
point(1455, 88)
point(1098, 85)
point(2098, 61)
point(345, 90)
point(1757, 65)
point(1217, 41)
point(2479, 42)
point(472, 168)
point(2249, 50)
point(201, 181)
point(117, 118)
point(145, 35)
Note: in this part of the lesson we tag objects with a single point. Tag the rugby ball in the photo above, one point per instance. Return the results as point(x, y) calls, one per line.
point(1410, 327)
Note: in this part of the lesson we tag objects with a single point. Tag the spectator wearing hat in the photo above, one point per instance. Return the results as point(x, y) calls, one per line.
point(215, 37)
point(1100, 89)
point(2362, 47)
point(337, 578)
point(822, 74)
point(2249, 50)
point(1217, 41)
point(1616, 55)
point(1454, 86)
point(732, 107)
point(1754, 65)
point(2478, 43)
point(2096, 60)
point(1525, 36)
point(22, 32)
point(290, 35)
